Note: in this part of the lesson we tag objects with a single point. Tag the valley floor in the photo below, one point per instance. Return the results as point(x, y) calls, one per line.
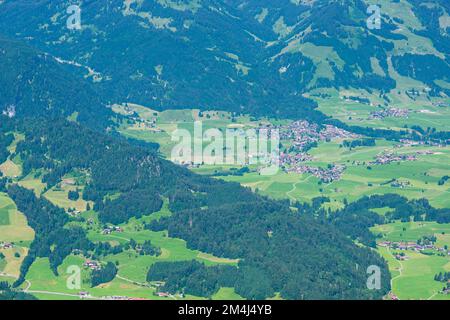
point(412, 278)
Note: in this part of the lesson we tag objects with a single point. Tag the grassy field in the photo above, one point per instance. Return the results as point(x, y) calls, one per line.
point(17, 230)
point(412, 231)
point(59, 197)
point(422, 111)
point(49, 286)
point(14, 229)
point(2, 264)
point(168, 121)
point(226, 294)
point(414, 278)
point(32, 183)
point(132, 268)
point(357, 181)
point(14, 258)
point(135, 267)
point(10, 169)
point(12, 166)
point(422, 176)
point(5, 207)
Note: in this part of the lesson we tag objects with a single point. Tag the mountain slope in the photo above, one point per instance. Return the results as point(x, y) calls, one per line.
point(258, 57)
point(273, 242)
point(34, 84)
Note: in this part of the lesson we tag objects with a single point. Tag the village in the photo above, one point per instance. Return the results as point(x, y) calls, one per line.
point(413, 246)
point(137, 120)
point(303, 135)
point(389, 112)
point(326, 175)
point(390, 157)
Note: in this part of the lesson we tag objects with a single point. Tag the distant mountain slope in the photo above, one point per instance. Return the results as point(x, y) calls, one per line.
point(250, 56)
point(35, 84)
point(293, 253)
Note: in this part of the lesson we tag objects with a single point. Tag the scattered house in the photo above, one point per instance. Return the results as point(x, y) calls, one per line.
point(400, 184)
point(111, 229)
point(74, 213)
point(93, 265)
point(162, 294)
point(393, 296)
point(404, 246)
point(6, 245)
point(10, 111)
point(401, 257)
point(158, 284)
point(385, 244)
point(389, 112)
point(107, 231)
point(116, 298)
point(326, 175)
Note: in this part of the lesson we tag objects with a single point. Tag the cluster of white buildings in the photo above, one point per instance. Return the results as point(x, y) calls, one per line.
point(389, 112)
point(326, 175)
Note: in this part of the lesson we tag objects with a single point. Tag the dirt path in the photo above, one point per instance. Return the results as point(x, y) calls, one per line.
point(294, 187)
point(400, 270)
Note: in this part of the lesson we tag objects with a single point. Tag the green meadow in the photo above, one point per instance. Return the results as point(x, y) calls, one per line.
point(132, 268)
point(422, 111)
point(360, 178)
point(14, 227)
point(411, 279)
point(412, 231)
point(5, 207)
point(414, 278)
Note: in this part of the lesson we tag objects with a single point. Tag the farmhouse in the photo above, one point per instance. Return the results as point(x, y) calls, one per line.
point(93, 265)
point(162, 294)
point(401, 257)
point(111, 229)
point(6, 245)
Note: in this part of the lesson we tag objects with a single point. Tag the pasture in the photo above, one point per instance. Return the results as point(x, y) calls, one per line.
point(59, 197)
point(32, 182)
point(360, 178)
point(10, 169)
point(414, 278)
point(5, 207)
point(422, 111)
point(17, 229)
point(412, 231)
point(226, 294)
point(134, 267)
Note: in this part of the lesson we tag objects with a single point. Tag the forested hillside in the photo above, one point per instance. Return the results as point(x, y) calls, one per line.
point(32, 83)
point(258, 57)
point(69, 96)
point(274, 243)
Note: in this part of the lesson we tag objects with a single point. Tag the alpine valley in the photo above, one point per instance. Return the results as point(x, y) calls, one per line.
point(92, 207)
